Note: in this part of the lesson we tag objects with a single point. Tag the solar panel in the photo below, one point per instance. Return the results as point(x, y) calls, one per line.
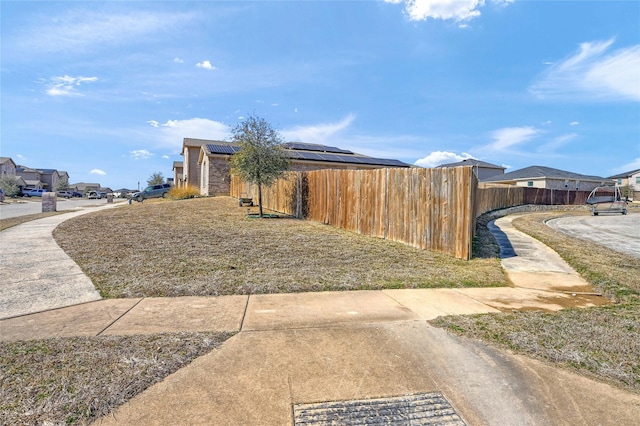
point(222, 149)
point(302, 151)
point(315, 147)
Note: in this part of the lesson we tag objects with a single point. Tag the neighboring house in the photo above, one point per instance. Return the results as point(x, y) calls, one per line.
point(49, 178)
point(549, 178)
point(178, 179)
point(7, 167)
point(481, 169)
point(32, 177)
point(83, 187)
point(631, 179)
point(190, 168)
point(214, 167)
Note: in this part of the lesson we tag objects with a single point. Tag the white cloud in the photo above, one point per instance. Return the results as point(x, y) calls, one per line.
point(81, 30)
point(67, 85)
point(557, 142)
point(510, 136)
point(457, 10)
point(594, 73)
point(633, 165)
point(98, 172)
point(172, 133)
point(574, 123)
point(165, 157)
point(437, 158)
point(141, 154)
point(178, 60)
point(317, 133)
point(206, 65)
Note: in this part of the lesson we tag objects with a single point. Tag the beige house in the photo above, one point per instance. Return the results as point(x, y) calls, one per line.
point(178, 176)
point(481, 169)
point(7, 167)
point(212, 168)
point(51, 177)
point(631, 179)
point(190, 167)
point(549, 178)
point(31, 177)
point(83, 187)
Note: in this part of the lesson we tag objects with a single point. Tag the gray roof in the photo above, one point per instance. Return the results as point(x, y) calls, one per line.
point(472, 162)
point(624, 175)
point(540, 172)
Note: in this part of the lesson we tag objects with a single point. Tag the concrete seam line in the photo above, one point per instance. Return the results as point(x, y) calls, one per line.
point(244, 314)
point(118, 319)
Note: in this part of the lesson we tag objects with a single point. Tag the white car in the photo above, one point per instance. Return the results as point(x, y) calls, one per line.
point(65, 194)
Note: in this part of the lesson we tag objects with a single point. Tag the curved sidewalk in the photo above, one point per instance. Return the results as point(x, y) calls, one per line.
point(37, 275)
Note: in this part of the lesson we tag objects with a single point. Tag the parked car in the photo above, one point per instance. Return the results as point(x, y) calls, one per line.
point(154, 191)
point(76, 194)
point(65, 194)
point(93, 195)
point(33, 192)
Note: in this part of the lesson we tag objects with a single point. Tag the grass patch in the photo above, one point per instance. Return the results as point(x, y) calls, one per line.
point(209, 247)
point(603, 343)
point(76, 380)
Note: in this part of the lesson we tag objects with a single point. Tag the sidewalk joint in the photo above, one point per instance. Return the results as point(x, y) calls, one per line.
point(244, 314)
point(120, 317)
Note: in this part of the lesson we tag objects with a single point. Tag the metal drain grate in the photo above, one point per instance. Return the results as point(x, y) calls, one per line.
point(420, 409)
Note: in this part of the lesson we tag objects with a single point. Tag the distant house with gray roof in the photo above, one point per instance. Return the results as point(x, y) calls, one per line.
point(549, 178)
point(482, 169)
point(631, 178)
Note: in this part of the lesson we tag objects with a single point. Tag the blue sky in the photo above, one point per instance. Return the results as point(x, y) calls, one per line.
point(108, 90)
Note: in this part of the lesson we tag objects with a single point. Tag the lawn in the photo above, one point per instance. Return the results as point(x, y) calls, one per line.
point(209, 247)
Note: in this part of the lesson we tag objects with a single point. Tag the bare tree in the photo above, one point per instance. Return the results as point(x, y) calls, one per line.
point(261, 158)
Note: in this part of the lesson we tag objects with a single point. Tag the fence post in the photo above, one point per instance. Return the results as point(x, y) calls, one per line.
point(299, 195)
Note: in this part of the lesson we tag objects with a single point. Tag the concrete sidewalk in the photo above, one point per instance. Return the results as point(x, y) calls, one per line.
point(320, 356)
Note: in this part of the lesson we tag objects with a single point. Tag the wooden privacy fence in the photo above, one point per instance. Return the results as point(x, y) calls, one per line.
point(494, 198)
point(432, 209)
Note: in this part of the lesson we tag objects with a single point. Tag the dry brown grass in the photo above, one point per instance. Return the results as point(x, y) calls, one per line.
point(209, 246)
point(75, 380)
point(600, 342)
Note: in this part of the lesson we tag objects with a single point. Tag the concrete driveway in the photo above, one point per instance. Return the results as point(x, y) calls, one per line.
point(615, 231)
point(24, 206)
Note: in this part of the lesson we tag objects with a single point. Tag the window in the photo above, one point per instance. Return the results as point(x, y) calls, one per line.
point(530, 183)
point(619, 181)
point(637, 180)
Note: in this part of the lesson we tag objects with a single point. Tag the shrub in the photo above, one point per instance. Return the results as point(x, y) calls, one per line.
point(9, 185)
point(184, 192)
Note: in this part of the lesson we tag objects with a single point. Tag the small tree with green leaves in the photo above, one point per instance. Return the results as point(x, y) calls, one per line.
point(62, 184)
point(156, 179)
point(9, 185)
point(261, 159)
